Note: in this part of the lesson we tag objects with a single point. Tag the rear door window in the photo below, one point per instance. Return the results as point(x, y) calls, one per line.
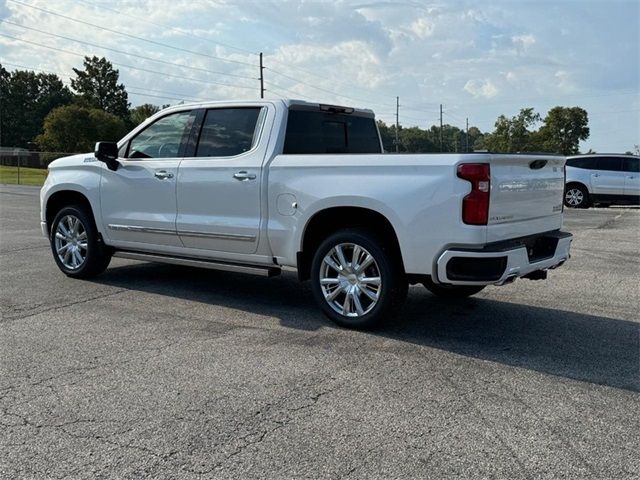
point(227, 132)
point(317, 132)
point(632, 165)
point(612, 164)
point(588, 163)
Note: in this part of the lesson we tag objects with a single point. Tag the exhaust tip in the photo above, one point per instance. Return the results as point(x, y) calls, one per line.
point(536, 275)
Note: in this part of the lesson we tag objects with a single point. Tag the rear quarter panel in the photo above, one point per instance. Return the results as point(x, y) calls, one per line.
point(420, 195)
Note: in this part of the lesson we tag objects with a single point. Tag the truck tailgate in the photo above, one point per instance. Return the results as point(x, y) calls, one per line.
point(526, 195)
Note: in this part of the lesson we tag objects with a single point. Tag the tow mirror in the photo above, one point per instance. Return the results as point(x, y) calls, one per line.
point(107, 152)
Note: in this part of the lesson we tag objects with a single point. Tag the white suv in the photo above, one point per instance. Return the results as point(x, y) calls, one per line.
point(603, 179)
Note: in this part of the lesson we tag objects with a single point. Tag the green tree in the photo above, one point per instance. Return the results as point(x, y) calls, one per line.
point(563, 129)
point(514, 134)
point(76, 128)
point(417, 140)
point(26, 98)
point(140, 113)
point(97, 86)
point(476, 139)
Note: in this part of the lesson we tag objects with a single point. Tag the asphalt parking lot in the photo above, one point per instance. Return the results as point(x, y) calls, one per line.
point(161, 371)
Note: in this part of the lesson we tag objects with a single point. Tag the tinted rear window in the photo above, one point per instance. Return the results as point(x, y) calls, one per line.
point(310, 132)
point(613, 164)
point(632, 165)
point(589, 163)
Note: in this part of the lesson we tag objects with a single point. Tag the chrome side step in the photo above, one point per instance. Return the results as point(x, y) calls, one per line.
point(190, 262)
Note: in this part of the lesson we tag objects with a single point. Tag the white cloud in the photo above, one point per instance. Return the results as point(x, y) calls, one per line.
point(523, 41)
point(481, 88)
point(428, 52)
point(564, 81)
point(422, 27)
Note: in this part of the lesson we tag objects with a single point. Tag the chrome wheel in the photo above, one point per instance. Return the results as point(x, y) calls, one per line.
point(350, 280)
point(71, 242)
point(574, 197)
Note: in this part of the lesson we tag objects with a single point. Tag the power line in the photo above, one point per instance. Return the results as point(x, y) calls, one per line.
point(117, 32)
point(351, 85)
point(454, 117)
point(324, 89)
point(277, 88)
point(232, 47)
point(165, 97)
point(366, 100)
point(174, 29)
point(482, 103)
point(173, 95)
point(614, 111)
point(129, 53)
point(131, 66)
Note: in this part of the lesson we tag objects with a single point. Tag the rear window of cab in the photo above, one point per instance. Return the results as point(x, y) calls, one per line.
point(320, 132)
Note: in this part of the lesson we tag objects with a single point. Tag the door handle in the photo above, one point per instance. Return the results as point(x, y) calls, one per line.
point(596, 174)
point(244, 175)
point(163, 174)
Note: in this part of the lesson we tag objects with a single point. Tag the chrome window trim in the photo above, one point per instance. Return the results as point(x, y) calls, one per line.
point(257, 133)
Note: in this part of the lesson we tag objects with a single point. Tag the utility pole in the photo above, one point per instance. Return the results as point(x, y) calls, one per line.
point(397, 123)
point(441, 128)
point(261, 77)
point(467, 138)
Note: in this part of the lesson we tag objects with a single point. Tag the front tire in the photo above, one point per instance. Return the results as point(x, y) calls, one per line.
point(75, 243)
point(357, 281)
point(452, 291)
point(576, 196)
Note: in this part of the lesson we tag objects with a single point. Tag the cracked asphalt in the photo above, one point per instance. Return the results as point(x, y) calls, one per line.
point(154, 371)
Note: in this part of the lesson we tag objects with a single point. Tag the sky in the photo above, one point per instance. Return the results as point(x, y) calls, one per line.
point(479, 59)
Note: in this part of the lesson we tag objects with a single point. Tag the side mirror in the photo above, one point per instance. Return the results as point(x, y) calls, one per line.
point(107, 152)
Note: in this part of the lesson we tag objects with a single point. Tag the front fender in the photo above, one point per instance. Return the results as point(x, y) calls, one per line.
point(84, 180)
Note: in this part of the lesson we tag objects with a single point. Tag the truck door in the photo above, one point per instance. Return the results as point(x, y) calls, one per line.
point(218, 191)
point(138, 200)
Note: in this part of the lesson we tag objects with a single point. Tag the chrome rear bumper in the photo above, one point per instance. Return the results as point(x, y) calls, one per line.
point(503, 262)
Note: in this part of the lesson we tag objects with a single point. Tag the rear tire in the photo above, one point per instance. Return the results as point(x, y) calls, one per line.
point(452, 291)
point(76, 245)
point(576, 196)
point(357, 280)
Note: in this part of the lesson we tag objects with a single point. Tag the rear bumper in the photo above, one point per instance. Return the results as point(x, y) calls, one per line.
point(43, 228)
point(501, 262)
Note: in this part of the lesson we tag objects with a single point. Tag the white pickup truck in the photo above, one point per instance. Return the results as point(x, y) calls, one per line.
point(262, 186)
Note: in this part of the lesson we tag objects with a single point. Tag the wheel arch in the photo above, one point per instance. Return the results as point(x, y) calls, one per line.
point(63, 198)
point(577, 183)
point(331, 219)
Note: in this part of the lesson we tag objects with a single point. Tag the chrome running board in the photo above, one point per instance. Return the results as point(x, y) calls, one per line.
point(265, 271)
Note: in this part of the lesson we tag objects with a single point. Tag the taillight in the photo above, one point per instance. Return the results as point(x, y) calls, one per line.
point(475, 206)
